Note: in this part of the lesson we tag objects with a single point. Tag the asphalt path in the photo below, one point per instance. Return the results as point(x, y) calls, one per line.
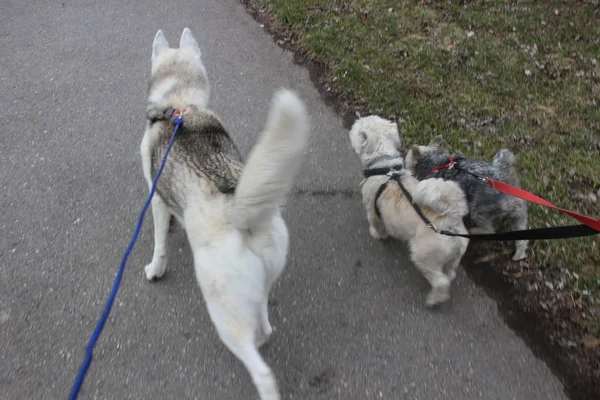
point(348, 312)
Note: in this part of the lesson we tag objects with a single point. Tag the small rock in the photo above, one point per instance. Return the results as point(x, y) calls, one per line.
point(593, 198)
point(549, 285)
point(527, 72)
point(556, 12)
point(470, 34)
point(390, 10)
point(367, 68)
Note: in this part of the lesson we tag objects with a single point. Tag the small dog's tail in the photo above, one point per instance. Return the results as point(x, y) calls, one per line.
point(504, 160)
point(443, 197)
point(273, 162)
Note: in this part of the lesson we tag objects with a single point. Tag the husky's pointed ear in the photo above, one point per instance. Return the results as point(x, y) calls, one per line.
point(439, 144)
point(160, 43)
point(188, 40)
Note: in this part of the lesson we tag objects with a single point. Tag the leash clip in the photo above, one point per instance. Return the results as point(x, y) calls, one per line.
point(432, 226)
point(451, 162)
point(176, 117)
point(393, 172)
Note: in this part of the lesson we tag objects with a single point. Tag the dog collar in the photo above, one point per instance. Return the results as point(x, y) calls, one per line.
point(385, 157)
point(389, 171)
point(170, 113)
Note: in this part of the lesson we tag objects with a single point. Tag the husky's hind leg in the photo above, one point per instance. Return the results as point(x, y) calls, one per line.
point(161, 215)
point(237, 330)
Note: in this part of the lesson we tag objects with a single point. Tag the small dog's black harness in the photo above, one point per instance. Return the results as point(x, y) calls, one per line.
point(394, 175)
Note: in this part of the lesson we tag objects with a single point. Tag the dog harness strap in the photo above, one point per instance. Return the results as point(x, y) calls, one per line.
point(377, 196)
point(367, 173)
point(394, 174)
point(415, 206)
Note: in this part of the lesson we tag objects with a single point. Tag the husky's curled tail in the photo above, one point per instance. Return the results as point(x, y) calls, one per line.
point(268, 174)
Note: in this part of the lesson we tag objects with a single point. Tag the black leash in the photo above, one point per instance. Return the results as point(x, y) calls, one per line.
point(560, 232)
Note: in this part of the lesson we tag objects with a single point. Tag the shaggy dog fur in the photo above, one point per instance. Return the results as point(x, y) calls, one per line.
point(488, 208)
point(376, 142)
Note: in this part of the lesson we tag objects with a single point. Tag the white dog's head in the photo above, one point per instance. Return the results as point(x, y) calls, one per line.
point(178, 74)
point(373, 137)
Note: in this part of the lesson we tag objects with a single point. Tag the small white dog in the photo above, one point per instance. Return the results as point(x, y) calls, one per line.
point(376, 142)
point(230, 212)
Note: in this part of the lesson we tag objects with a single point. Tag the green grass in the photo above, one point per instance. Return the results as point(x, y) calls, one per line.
point(458, 68)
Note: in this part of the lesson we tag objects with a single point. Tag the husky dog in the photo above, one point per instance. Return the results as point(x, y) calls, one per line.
point(487, 207)
point(376, 142)
point(230, 212)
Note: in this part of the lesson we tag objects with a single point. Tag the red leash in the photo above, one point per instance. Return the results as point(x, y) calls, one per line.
point(521, 194)
point(525, 195)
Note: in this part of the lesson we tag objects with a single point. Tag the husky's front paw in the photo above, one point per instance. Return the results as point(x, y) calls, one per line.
point(156, 269)
point(375, 234)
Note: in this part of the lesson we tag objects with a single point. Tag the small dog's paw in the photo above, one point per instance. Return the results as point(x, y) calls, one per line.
point(375, 234)
point(520, 255)
point(437, 296)
point(155, 272)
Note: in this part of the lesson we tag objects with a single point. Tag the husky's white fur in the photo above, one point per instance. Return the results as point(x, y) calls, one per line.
point(239, 241)
point(376, 142)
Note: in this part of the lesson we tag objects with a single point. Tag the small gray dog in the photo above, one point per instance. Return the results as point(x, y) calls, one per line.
point(487, 207)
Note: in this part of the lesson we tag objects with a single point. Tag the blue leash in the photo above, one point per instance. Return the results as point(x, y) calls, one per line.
point(178, 122)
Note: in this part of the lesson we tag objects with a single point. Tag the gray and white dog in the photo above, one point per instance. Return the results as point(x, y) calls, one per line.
point(488, 208)
point(230, 211)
